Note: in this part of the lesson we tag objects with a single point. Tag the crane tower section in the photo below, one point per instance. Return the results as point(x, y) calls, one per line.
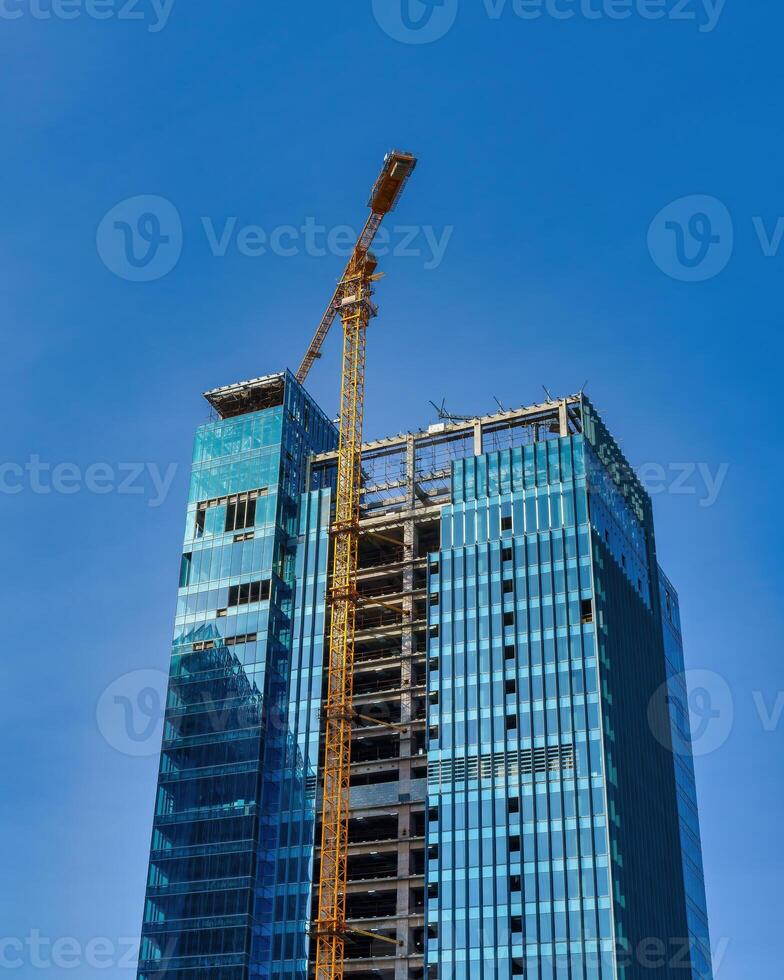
point(352, 301)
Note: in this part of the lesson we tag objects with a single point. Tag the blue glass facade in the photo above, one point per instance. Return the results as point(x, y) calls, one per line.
point(691, 847)
point(519, 877)
point(563, 839)
point(293, 913)
point(649, 902)
point(228, 749)
point(556, 834)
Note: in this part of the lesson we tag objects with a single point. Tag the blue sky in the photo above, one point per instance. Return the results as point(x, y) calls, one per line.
point(552, 245)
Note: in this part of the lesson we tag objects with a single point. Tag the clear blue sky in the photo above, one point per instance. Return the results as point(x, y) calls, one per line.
point(548, 146)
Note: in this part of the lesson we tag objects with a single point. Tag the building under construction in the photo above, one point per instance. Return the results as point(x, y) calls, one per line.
point(426, 713)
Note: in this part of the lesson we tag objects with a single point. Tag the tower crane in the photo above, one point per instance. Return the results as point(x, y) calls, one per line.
point(352, 301)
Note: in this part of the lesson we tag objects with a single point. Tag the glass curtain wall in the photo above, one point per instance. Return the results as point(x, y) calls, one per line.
point(518, 870)
point(210, 902)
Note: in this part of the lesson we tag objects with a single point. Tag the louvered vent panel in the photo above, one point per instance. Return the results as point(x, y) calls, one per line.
point(500, 766)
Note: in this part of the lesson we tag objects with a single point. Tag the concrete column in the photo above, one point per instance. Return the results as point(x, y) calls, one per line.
point(406, 646)
point(403, 894)
point(404, 785)
point(563, 417)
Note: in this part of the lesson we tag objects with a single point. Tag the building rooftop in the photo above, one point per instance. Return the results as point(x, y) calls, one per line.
point(247, 396)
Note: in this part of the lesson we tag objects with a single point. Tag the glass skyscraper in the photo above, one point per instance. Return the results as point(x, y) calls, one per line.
point(522, 791)
point(228, 761)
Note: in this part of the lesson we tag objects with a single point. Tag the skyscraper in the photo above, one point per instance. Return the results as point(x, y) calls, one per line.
point(522, 794)
point(228, 757)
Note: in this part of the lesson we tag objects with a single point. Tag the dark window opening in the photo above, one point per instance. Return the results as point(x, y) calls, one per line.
point(506, 554)
point(185, 570)
point(434, 663)
point(511, 686)
point(240, 638)
point(434, 568)
point(518, 970)
point(509, 618)
point(433, 598)
point(374, 778)
point(517, 924)
point(511, 723)
point(515, 883)
point(586, 611)
point(514, 843)
point(513, 804)
point(506, 524)
point(434, 632)
point(241, 595)
point(240, 513)
point(509, 651)
point(508, 586)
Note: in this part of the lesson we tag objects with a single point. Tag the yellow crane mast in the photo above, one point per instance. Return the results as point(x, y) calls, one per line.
point(352, 300)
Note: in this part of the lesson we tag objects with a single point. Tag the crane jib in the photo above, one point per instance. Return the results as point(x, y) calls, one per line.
point(396, 170)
